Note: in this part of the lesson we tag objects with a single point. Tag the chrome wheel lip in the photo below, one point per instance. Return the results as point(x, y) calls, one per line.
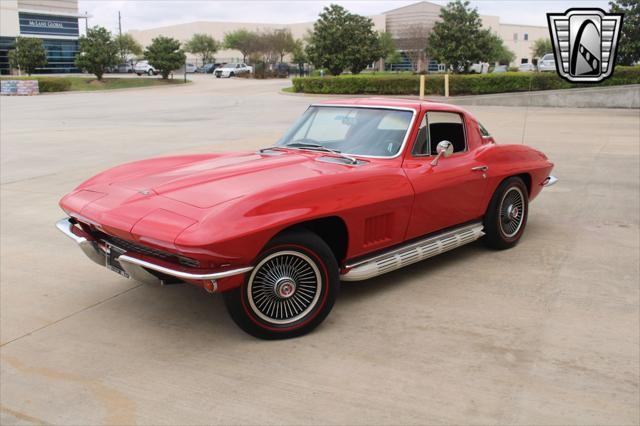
point(514, 212)
point(299, 316)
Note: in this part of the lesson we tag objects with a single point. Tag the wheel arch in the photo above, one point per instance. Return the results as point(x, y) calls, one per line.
point(526, 178)
point(332, 229)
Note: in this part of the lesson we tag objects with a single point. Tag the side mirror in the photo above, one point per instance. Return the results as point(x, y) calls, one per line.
point(444, 149)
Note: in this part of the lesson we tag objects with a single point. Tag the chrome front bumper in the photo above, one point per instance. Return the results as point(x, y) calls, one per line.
point(134, 265)
point(549, 181)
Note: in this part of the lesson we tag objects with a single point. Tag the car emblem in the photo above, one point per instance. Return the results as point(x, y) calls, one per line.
point(585, 43)
point(144, 192)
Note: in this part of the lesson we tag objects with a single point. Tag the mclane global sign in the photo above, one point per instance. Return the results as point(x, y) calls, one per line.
point(33, 23)
point(45, 24)
point(585, 43)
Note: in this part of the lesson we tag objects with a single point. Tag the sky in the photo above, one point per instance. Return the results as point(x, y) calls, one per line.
point(143, 14)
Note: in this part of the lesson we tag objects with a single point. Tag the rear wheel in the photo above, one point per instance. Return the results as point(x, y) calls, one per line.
point(231, 74)
point(506, 217)
point(290, 291)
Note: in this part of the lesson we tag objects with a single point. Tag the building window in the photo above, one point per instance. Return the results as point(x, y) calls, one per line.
point(524, 60)
point(526, 37)
point(515, 36)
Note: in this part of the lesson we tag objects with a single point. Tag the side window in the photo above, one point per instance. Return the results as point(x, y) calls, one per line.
point(446, 126)
point(421, 145)
point(484, 132)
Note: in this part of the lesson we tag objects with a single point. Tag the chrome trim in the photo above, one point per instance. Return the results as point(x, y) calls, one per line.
point(136, 268)
point(128, 259)
point(86, 243)
point(412, 253)
point(549, 181)
point(406, 136)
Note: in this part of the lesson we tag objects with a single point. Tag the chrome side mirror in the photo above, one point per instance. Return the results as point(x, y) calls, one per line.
point(444, 149)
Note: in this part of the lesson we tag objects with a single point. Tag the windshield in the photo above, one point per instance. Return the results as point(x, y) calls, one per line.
point(351, 130)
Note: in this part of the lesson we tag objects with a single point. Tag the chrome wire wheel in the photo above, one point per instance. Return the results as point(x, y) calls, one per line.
point(284, 287)
point(512, 211)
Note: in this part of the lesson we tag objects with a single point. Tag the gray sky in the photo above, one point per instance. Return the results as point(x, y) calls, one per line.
point(142, 14)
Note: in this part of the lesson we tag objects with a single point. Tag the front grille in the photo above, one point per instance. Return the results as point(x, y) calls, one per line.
point(137, 248)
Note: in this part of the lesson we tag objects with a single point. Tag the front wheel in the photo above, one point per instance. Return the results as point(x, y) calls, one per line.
point(506, 216)
point(290, 291)
point(151, 73)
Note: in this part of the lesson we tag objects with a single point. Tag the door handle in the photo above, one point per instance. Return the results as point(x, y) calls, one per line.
point(480, 168)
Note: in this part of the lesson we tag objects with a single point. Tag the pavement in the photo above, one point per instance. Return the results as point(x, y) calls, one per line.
point(546, 333)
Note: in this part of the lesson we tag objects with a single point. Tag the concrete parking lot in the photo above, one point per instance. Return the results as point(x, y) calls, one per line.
point(545, 333)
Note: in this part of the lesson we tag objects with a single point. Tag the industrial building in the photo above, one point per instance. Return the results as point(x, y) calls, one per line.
point(518, 38)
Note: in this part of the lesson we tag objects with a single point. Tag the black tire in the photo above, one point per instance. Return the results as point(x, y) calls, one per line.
point(138, 74)
point(151, 73)
point(506, 217)
point(231, 74)
point(291, 290)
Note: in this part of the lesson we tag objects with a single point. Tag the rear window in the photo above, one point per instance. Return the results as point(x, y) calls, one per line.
point(547, 57)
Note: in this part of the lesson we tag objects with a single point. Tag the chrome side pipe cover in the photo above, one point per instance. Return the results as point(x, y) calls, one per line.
point(412, 253)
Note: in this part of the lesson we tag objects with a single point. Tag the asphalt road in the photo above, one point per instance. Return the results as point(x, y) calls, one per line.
point(545, 333)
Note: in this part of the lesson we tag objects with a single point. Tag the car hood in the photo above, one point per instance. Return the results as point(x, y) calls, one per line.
point(204, 181)
point(154, 201)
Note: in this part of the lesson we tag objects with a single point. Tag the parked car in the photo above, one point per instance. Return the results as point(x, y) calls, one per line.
point(191, 68)
point(206, 68)
point(528, 67)
point(354, 189)
point(500, 68)
point(479, 68)
point(231, 70)
point(547, 63)
point(125, 68)
point(144, 67)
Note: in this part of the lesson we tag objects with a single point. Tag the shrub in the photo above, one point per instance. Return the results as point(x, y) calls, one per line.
point(470, 84)
point(54, 84)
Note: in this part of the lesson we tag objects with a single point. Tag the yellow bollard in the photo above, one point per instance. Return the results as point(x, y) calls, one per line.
point(446, 85)
point(422, 86)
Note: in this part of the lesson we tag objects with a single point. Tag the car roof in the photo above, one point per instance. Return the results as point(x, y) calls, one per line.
point(414, 104)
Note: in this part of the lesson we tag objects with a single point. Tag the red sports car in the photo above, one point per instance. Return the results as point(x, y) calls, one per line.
point(356, 188)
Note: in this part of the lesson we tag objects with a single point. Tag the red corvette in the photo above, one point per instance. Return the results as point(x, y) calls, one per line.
point(356, 188)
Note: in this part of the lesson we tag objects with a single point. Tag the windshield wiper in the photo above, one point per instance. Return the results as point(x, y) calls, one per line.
point(318, 147)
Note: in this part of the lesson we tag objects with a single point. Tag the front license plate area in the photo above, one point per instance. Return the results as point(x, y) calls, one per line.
point(112, 263)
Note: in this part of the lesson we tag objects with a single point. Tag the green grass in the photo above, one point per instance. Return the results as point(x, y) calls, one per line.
point(88, 84)
point(289, 89)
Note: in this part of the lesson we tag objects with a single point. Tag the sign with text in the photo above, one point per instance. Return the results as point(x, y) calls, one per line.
point(32, 23)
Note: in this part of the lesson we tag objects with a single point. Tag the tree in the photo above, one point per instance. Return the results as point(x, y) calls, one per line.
point(203, 45)
point(243, 40)
point(457, 39)
point(127, 46)
point(97, 51)
point(165, 55)
point(282, 42)
point(298, 55)
point(413, 41)
point(28, 54)
point(342, 40)
point(388, 52)
point(629, 42)
point(541, 47)
point(493, 49)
